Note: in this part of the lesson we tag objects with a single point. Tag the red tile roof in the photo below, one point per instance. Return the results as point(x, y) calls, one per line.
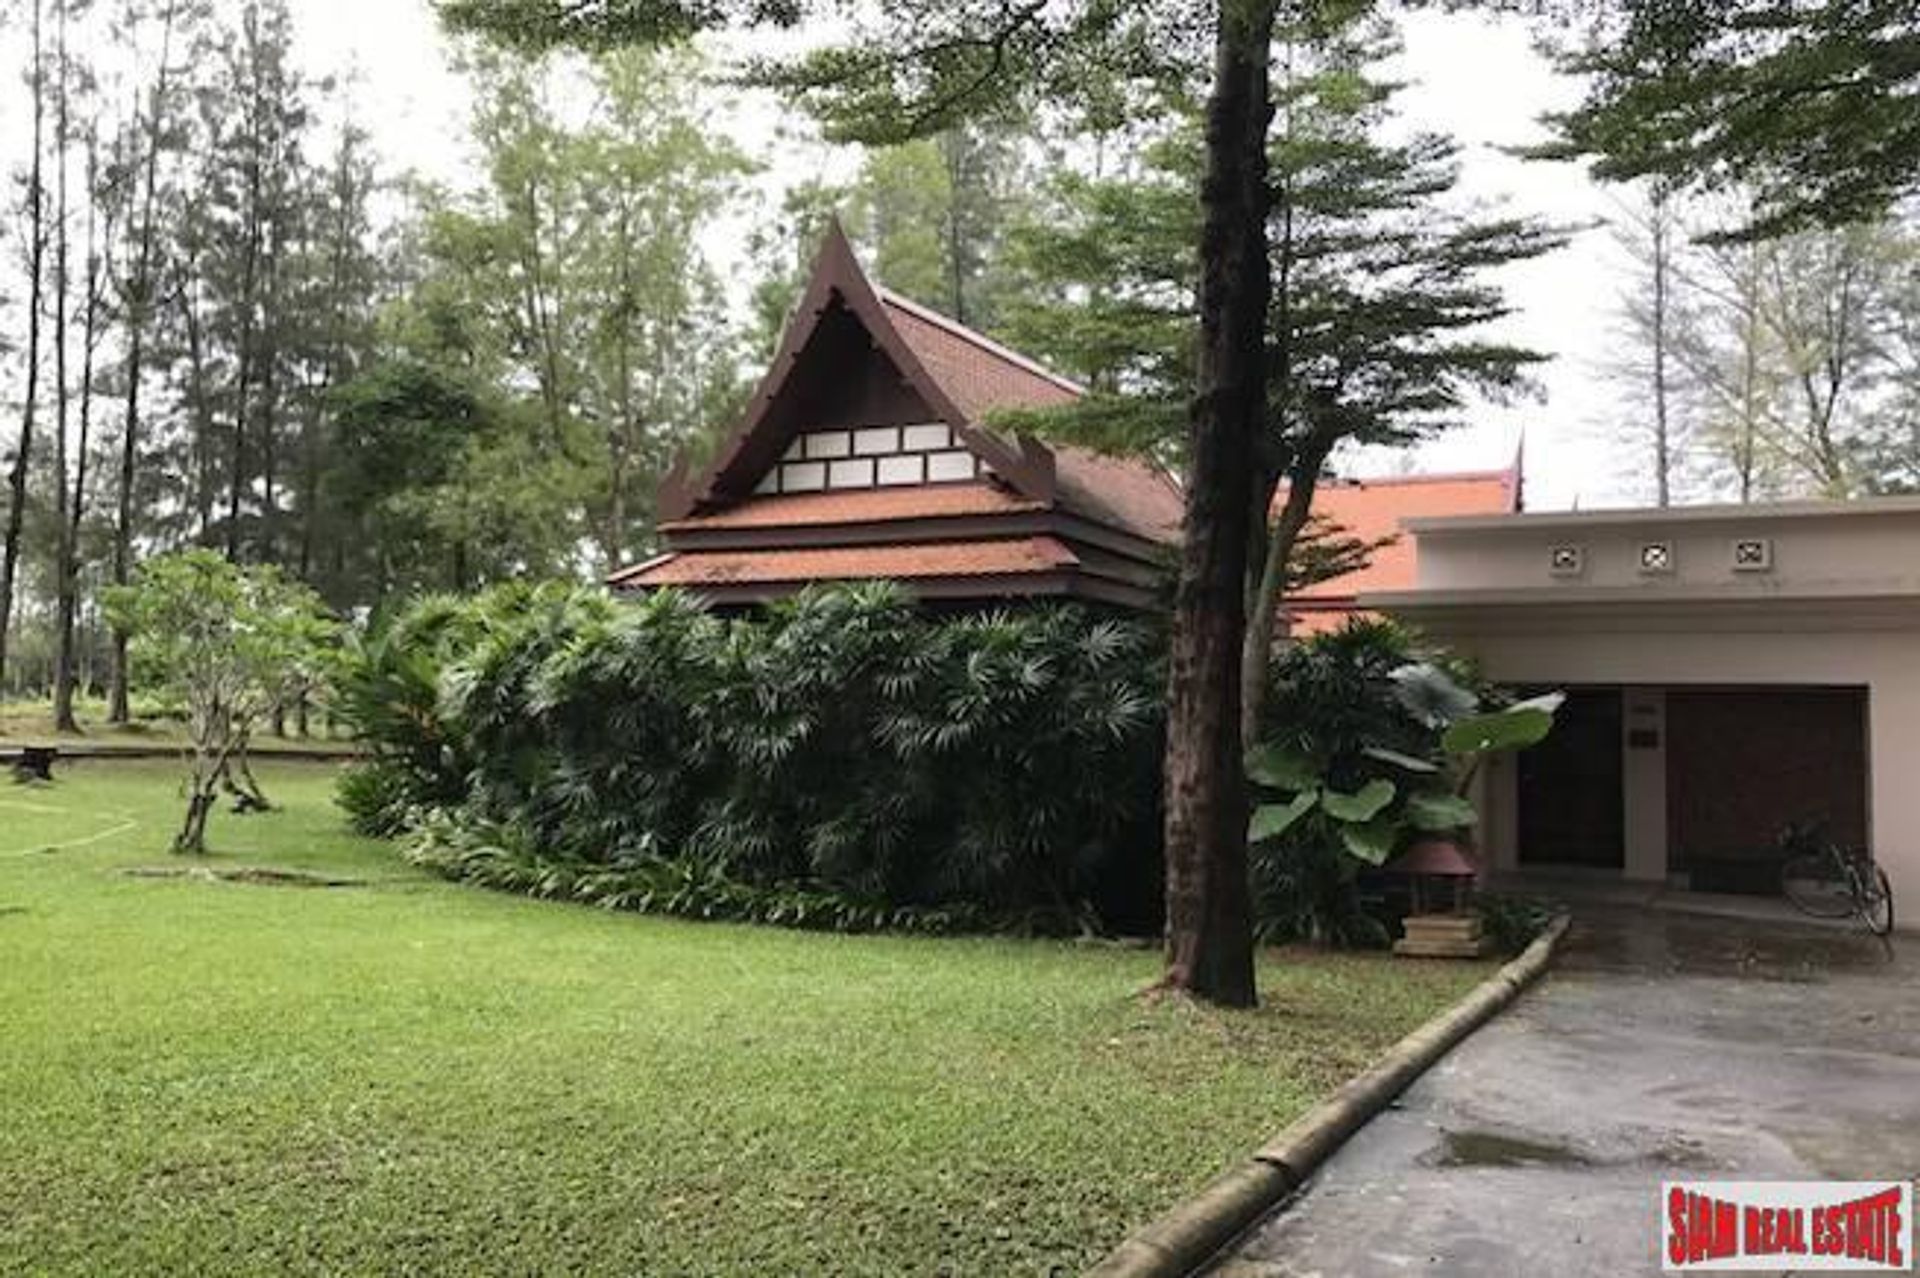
point(962, 377)
point(863, 506)
point(977, 373)
point(1133, 495)
point(1012, 557)
point(980, 375)
point(1370, 509)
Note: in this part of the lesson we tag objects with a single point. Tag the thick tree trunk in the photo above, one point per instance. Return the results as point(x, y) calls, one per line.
point(1209, 928)
point(36, 262)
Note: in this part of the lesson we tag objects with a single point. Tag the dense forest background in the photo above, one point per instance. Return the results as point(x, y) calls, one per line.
point(223, 323)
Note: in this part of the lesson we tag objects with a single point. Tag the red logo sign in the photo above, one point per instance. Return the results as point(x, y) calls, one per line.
point(1857, 1226)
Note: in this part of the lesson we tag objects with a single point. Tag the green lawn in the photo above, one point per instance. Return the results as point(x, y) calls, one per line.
point(31, 723)
point(407, 1076)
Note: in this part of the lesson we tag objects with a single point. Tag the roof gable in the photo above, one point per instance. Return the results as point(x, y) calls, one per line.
point(841, 324)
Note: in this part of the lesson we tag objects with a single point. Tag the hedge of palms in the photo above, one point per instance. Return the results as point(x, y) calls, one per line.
point(842, 759)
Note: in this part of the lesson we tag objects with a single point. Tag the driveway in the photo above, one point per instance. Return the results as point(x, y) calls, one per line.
point(1660, 1046)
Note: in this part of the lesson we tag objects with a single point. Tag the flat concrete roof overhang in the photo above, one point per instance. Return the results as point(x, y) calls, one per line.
point(1558, 611)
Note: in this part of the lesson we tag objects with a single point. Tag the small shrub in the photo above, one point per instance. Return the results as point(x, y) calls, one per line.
point(507, 858)
point(1512, 922)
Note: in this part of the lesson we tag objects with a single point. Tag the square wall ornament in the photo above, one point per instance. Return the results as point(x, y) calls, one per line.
point(1752, 554)
point(1656, 558)
point(1567, 561)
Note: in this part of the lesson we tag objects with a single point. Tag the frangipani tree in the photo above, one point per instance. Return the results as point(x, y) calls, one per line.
point(231, 644)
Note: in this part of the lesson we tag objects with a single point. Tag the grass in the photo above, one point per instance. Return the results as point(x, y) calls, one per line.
point(30, 722)
point(212, 1076)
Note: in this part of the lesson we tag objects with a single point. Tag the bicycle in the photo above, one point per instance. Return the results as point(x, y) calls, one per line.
point(1827, 881)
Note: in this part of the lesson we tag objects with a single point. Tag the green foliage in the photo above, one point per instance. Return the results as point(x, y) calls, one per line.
point(839, 742)
point(1374, 731)
point(506, 858)
point(1512, 922)
point(1381, 287)
point(1810, 106)
point(389, 688)
point(232, 645)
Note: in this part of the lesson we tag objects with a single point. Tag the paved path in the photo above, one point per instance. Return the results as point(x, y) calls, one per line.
point(1660, 1047)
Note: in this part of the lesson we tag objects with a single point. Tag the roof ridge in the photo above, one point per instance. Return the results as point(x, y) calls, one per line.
point(1504, 475)
point(975, 337)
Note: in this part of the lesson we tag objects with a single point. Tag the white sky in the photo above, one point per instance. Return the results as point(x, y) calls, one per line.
point(1474, 78)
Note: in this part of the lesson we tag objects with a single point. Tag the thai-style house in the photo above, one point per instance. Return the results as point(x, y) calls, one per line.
point(868, 451)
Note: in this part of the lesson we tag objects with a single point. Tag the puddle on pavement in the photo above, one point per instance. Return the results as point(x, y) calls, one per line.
point(1653, 943)
point(1498, 1149)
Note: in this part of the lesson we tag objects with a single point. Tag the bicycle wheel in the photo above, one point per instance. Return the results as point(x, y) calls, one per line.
point(1817, 886)
point(1876, 904)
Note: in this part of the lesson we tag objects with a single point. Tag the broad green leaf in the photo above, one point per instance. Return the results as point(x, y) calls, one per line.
point(1511, 729)
point(1548, 701)
point(1270, 820)
point(1440, 812)
point(1406, 762)
point(1373, 841)
point(1363, 805)
point(1430, 695)
point(1281, 768)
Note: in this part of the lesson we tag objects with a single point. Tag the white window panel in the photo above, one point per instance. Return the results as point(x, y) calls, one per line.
point(829, 443)
point(792, 453)
point(850, 474)
point(803, 477)
point(902, 470)
point(945, 466)
point(769, 482)
point(922, 439)
point(875, 440)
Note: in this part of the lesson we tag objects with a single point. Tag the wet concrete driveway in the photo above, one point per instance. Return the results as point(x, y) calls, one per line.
point(1659, 1047)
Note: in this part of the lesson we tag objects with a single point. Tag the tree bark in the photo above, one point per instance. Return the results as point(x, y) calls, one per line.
point(139, 305)
point(65, 672)
point(36, 262)
point(62, 391)
point(1263, 603)
point(1209, 947)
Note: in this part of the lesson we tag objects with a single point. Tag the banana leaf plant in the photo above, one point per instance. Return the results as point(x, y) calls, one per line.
point(1409, 793)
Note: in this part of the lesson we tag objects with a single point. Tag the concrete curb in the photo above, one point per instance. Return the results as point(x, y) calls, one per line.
point(1193, 1233)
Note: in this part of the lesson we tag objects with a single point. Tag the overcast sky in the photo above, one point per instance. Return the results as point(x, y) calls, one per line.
point(1474, 78)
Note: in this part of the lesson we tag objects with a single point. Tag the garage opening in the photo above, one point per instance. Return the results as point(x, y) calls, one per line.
point(1744, 762)
point(1572, 811)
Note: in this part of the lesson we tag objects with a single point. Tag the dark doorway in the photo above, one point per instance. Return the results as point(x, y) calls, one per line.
point(1743, 762)
point(1571, 806)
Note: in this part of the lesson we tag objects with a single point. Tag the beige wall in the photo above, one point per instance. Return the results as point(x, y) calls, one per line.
point(1863, 548)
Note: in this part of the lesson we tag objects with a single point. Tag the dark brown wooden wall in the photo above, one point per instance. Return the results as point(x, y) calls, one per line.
point(1742, 763)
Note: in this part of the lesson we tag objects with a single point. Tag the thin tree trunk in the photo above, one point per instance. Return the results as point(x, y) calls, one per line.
point(1209, 948)
point(62, 391)
point(65, 674)
point(1264, 603)
point(139, 304)
point(36, 263)
point(1662, 439)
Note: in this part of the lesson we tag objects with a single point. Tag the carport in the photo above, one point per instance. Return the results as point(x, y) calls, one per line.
point(1729, 669)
